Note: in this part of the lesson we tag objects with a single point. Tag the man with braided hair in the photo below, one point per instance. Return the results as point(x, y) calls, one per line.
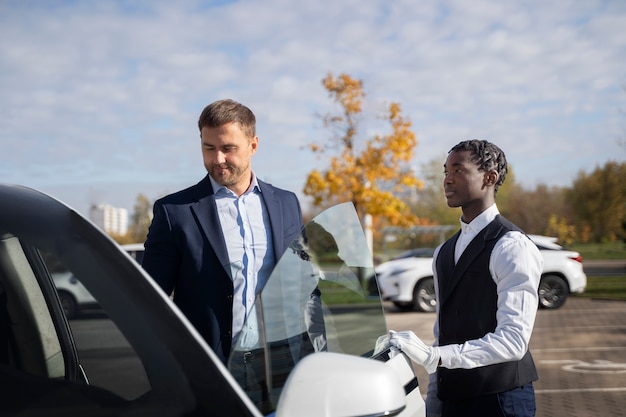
point(486, 279)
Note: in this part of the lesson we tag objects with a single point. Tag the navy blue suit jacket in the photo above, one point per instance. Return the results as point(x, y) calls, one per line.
point(185, 252)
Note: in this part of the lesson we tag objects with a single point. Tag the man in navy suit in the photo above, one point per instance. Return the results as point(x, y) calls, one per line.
point(214, 244)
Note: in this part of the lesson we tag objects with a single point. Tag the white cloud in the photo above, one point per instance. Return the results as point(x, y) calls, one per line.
point(107, 94)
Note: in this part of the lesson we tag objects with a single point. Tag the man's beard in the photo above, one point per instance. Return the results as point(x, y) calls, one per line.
point(231, 176)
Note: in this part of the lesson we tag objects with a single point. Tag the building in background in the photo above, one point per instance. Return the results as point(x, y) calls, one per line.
point(112, 220)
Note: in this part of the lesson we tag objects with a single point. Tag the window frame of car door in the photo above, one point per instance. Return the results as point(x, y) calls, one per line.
point(72, 369)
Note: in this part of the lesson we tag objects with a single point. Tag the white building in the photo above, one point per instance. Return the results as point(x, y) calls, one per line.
point(112, 220)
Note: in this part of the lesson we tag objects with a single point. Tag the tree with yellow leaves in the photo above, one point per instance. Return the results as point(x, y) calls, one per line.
point(370, 176)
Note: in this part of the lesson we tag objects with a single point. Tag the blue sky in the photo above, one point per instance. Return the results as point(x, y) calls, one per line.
point(100, 99)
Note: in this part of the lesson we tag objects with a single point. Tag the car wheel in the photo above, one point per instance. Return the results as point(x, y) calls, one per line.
point(68, 303)
point(553, 291)
point(424, 298)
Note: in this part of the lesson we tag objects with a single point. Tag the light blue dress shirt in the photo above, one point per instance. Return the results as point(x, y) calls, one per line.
point(246, 229)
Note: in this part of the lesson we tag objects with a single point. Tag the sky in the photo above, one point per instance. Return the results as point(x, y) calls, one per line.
point(100, 99)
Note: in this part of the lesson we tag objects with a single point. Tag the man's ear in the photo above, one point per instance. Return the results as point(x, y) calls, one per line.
point(254, 144)
point(491, 178)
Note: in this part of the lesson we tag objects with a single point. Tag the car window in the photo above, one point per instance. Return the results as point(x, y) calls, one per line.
point(50, 359)
point(30, 338)
point(315, 300)
point(107, 359)
point(106, 356)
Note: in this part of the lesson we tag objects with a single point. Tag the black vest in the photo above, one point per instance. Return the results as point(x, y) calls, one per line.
point(467, 310)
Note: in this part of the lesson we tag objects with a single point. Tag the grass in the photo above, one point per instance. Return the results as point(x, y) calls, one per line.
point(592, 251)
point(333, 293)
point(606, 287)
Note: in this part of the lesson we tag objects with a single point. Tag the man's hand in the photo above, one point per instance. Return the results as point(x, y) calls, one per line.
point(407, 342)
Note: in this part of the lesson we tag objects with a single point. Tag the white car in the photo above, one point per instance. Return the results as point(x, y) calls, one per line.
point(562, 273)
point(144, 358)
point(74, 297)
point(408, 281)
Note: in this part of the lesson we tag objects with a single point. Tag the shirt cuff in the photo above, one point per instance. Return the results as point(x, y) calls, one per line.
point(449, 356)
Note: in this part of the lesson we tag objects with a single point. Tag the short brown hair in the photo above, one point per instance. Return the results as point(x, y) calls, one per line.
point(226, 111)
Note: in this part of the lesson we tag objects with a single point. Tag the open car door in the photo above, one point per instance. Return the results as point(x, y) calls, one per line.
point(316, 300)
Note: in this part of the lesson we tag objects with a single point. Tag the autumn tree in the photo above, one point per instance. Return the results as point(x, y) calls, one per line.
point(371, 176)
point(559, 227)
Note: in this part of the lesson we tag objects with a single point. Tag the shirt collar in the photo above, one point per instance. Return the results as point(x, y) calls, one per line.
point(219, 188)
point(481, 221)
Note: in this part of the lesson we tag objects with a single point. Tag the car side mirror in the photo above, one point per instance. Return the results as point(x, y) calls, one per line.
point(334, 384)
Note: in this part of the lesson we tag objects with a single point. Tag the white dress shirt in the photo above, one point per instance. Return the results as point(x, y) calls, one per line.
point(515, 266)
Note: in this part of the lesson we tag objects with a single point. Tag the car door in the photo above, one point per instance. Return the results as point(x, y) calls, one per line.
point(316, 300)
point(37, 337)
point(138, 356)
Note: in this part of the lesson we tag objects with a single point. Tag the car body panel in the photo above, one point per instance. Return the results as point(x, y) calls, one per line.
point(397, 278)
point(356, 374)
point(562, 262)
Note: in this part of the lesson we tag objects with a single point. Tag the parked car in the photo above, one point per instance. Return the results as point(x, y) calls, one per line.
point(135, 250)
point(562, 272)
point(408, 281)
point(145, 358)
point(74, 297)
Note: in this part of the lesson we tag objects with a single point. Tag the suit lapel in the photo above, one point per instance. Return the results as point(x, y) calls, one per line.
point(204, 211)
point(275, 214)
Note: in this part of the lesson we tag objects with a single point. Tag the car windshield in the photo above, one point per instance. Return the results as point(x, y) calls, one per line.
point(315, 300)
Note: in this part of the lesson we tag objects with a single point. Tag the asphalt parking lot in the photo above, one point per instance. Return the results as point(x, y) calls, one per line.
point(579, 350)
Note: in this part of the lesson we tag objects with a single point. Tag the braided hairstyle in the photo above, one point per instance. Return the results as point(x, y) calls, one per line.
point(487, 156)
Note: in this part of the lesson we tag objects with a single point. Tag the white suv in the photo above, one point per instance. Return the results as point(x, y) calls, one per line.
point(74, 296)
point(562, 272)
point(408, 281)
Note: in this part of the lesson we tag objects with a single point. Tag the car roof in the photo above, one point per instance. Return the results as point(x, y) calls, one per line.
point(547, 242)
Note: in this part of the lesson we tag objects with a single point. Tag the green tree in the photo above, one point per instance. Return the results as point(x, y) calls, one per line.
point(141, 219)
point(531, 210)
point(599, 201)
point(370, 176)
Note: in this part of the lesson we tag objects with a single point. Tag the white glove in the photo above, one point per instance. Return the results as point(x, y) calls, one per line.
point(407, 342)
